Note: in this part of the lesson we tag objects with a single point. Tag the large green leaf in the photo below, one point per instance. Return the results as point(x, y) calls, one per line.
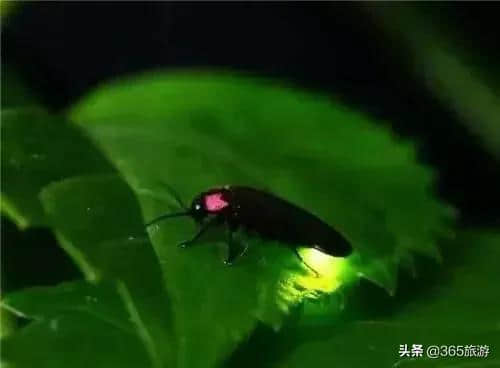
point(196, 130)
point(75, 325)
point(459, 305)
point(37, 149)
point(98, 221)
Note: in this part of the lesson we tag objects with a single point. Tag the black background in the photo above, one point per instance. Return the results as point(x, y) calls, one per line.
point(63, 50)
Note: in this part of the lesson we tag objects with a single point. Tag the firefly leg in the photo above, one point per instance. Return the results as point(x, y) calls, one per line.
point(231, 254)
point(200, 232)
point(233, 250)
point(304, 262)
point(234, 253)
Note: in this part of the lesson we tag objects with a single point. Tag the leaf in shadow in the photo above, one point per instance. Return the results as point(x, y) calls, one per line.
point(39, 148)
point(74, 324)
point(73, 339)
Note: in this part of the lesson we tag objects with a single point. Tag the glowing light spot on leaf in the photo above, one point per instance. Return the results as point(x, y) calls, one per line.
point(307, 285)
point(329, 269)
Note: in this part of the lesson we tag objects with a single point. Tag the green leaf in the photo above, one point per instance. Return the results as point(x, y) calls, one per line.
point(97, 219)
point(75, 325)
point(460, 306)
point(43, 302)
point(196, 130)
point(73, 340)
point(37, 149)
point(7, 323)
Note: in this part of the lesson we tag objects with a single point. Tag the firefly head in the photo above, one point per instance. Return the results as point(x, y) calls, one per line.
point(213, 202)
point(198, 210)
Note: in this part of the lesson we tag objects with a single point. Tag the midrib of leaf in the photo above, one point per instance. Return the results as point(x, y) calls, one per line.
point(90, 272)
point(142, 330)
point(10, 210)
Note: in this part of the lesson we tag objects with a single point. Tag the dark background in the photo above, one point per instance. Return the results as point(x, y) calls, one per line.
point(63, 50)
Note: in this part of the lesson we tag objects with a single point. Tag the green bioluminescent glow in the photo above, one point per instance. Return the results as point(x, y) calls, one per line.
point(298, 286)
point(329, 269)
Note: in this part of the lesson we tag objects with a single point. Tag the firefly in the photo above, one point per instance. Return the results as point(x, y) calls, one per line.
point(265, 214)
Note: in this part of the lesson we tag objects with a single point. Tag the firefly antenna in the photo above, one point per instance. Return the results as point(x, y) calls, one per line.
point(175, 195)
point(168, 215)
